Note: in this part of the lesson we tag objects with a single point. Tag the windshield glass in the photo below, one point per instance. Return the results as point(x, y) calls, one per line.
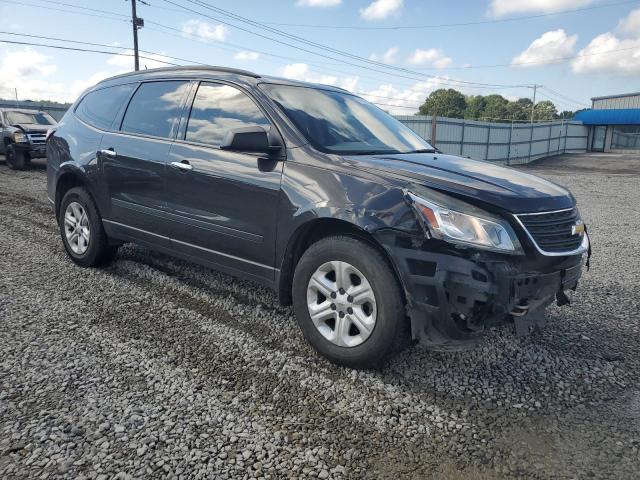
point(35, 118)
point(336, 122)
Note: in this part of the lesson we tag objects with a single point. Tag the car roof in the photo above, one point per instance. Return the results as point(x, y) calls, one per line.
point(208, 71)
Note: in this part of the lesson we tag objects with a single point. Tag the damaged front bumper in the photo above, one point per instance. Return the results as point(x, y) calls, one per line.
point(454, 296)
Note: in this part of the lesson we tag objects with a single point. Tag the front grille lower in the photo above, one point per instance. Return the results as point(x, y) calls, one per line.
point(37, 138)
point(553, 231)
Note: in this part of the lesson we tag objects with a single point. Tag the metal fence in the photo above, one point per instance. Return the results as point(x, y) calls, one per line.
point(508, 143)
point(55, 112)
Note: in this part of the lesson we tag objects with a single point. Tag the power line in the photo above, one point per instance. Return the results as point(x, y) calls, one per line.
point(96, 15)
point(449, 25)
point(560, 95)
point(77, 49)
point(318, 45)
point(549, 61)
point(58, 39)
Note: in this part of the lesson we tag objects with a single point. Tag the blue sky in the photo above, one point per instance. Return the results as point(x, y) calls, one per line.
point(446, 56)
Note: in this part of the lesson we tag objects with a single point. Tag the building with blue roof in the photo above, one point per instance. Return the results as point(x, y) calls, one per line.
point(614, 123)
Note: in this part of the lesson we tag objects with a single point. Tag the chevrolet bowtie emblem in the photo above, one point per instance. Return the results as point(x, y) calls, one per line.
point(577, 229)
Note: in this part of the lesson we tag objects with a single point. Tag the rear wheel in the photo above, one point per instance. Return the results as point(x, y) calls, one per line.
point(16, 160)
point(81, 230)
point(348, 303)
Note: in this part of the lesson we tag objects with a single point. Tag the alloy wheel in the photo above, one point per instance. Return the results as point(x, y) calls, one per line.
point(341, 304)
point(76, 228)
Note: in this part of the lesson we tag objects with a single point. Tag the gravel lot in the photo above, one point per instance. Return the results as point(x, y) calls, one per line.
point(154, 368)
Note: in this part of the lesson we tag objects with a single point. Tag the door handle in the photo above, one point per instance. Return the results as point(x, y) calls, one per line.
point(183, 165)
point(108, 152)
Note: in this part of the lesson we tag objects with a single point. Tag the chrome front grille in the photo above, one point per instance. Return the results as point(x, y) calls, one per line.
point(553, 232)
point(37, 138)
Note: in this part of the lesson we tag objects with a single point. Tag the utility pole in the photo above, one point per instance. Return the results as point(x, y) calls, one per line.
point(17, 104)
point(533, 106)
point(137, 23)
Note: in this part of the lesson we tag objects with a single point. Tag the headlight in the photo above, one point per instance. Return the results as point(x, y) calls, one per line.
point(20, 137)
point(465, 224)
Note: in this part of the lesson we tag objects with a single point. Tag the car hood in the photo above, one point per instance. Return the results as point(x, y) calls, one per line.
point(503, 187)
point(29, 128)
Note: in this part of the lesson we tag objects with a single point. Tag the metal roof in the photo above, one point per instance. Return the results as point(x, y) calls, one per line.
point(621, 116)
point(621, 95)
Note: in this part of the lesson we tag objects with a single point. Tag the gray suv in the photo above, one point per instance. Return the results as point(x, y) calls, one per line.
point(23, 135)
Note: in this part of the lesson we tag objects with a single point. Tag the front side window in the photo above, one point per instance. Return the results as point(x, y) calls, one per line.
point(100, 107)
point(219, 108)
point(154, 108)
point(28, 118)
point(337, 122)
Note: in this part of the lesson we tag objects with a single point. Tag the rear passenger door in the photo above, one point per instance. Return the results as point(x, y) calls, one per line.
point(222, 204)
point(133, 161)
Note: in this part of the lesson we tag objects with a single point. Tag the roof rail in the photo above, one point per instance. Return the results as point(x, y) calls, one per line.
point(186, 68)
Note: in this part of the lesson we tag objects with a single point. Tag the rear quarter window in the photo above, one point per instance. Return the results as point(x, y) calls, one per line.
point(100, 107)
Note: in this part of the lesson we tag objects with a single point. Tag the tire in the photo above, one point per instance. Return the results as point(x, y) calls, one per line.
point(90, 249)
point(356, 347)
point(15, 160)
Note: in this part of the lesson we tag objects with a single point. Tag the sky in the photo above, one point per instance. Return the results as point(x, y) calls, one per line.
point(575, 49)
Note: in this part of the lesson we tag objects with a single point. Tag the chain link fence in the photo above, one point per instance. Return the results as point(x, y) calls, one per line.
point(507, 143)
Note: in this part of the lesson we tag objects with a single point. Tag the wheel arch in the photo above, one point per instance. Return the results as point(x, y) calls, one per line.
point(314, 230)
point(69, 178)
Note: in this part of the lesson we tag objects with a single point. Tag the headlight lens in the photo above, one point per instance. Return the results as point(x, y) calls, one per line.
point(475, 228)
point(20, 137)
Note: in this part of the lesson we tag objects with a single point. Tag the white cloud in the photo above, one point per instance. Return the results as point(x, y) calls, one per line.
point(599, 56)
point(381, 9)
point(502, 8)
point(204, 30)
point(433, 56)
point(401, 101)
point(27, 70)
point(319, 3)
point(631, 24)
point(387, 57)
point(247, 56)
point(80, 86)
point(302, 72)
point(553, 44)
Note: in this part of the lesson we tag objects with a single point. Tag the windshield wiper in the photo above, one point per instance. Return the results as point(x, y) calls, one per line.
point(372, 152)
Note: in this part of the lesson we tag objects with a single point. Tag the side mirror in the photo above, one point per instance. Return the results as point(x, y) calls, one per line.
point(248, 139)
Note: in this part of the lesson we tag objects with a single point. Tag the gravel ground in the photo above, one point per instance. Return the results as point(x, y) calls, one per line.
point(153, 367)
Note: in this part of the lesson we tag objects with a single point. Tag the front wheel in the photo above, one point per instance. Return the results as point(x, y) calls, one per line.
point(348, 303)
point(16, 160)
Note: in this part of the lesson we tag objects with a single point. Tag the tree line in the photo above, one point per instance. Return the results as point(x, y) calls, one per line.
point(448, 102)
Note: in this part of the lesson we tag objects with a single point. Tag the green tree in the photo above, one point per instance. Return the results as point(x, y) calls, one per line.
point(520, 109)
point(444, 103)
point(496, 107)
point(475, 107)
point(545, 111)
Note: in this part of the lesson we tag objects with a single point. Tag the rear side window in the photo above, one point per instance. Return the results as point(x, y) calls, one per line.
point(218, 109)
point(100, 107)
point(154, 108)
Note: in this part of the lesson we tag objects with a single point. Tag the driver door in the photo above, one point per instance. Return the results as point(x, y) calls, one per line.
point(222, 205)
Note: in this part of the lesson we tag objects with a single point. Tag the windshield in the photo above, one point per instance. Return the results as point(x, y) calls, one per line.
point(336, 122)
point(36, 118)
